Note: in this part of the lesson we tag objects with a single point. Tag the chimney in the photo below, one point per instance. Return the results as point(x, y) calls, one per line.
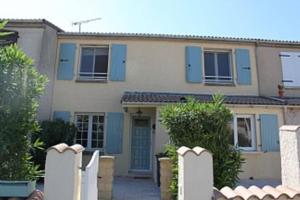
point(280, 90)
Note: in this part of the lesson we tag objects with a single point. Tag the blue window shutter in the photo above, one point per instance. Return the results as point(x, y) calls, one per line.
point(64, 115)
point(193, 59)
point(118, 62)
point(269, 132)
point(66, 61)
point(114, 133)
point(243, 66)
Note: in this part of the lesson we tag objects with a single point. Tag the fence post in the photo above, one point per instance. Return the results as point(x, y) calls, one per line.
point(63, 172)
point(165, 178)
point(290, 156)
point(195, 174)
point(106, 176)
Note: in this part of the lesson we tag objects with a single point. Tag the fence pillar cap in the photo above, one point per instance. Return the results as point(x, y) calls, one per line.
point(164, 159)
point(107, 157)
point(289, 128)
point(196, 150)
point(62, 147)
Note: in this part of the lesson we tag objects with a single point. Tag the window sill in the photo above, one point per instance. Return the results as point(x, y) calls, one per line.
point(292, 87)
point(219, 84)
point(90, 81)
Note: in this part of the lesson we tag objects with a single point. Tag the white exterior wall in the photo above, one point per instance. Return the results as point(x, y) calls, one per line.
point(40, 43)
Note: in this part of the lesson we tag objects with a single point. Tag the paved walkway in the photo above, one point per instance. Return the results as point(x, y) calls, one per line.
point(135, 189)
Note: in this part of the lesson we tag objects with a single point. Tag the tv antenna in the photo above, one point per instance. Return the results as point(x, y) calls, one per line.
point(84, 21)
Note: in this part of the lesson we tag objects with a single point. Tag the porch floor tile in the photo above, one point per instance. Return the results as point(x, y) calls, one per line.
point(126, 188)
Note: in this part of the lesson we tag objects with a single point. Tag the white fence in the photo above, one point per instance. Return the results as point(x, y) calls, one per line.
point(89, 179)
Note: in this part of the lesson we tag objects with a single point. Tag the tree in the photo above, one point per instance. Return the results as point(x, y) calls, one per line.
point(20, 87)
point(206, 125)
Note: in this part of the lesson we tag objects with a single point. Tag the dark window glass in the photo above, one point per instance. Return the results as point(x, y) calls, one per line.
point(217, 66)
point(223, 66)
point(101, 61)
point(209, 64)
point(87, 59)
point(244, 132)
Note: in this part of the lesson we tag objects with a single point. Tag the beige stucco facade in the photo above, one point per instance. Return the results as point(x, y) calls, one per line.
point(270, 70)
point(159, 66)
point(39, 41)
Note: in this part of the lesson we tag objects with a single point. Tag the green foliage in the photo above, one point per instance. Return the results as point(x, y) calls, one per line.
point(206, 125)
point(20, 87)
point(52, 133)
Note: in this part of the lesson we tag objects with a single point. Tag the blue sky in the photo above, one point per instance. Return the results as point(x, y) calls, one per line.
point(270, 19)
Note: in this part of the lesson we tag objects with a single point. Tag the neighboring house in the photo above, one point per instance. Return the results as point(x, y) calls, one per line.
point(112, 87)
point(279, 63)
point(38, 39)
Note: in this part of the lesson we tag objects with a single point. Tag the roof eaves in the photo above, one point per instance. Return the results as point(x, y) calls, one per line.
point(182, 37)
point(12, 22)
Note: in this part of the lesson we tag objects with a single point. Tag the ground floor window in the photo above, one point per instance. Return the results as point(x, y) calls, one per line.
point(243, 132)
point(90, 133)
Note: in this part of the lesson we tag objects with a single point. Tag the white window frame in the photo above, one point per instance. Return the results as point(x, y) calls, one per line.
point(217, 81)
point(253, 132)
point(90, 128)
point(93, 77)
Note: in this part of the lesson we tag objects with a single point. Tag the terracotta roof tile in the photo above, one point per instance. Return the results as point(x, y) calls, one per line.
point(255, 193)
point(162, 98)
point(36, 195)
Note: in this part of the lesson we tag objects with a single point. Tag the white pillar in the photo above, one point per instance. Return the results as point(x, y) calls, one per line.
point(195, 174)
point(63, 172)
point(290, 156)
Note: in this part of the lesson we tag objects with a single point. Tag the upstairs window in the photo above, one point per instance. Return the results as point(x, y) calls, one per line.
point(217, 67)
point(290, 68)
point(243, 132)
point(94, 63)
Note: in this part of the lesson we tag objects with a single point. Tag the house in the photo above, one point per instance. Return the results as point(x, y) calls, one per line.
point(283, 61)
point(112, 86)
point(38, 39)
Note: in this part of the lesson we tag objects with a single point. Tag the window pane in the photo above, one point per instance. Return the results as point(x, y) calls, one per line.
point(82, 129)
point(97, 131)
point(244, 132)
point(101, 61)
point(87, 59)
point(209, 65)
point(223, 66)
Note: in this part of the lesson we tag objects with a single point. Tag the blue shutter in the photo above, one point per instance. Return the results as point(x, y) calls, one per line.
point(243, 66)
point(118, 62)
point(66, 61)
point(114, 133)
point(269, 132)
point(64, 115)
point(193, 59)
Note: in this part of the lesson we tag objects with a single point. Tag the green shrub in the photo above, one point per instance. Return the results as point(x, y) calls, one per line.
point(206, 125)
point(20, 87)
point(52, 133)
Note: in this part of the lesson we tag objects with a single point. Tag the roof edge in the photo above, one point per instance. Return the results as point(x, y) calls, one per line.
point(16, 22)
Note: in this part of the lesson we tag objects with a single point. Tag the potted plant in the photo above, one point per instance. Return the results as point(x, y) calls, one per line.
point(20, 87)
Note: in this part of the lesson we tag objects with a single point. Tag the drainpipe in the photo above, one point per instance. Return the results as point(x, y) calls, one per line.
point(285, 114)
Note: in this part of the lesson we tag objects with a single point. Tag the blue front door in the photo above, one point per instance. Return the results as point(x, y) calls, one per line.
point(140, 143)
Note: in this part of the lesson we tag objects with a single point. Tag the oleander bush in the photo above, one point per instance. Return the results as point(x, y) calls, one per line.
point(206, 125)
point(20, 88)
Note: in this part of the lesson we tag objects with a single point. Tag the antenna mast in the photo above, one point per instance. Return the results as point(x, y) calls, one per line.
point(84, 21)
